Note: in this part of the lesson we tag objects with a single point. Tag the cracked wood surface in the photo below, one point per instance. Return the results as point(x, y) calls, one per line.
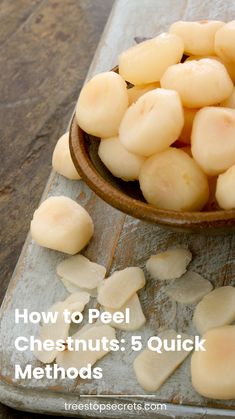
point(119, 241)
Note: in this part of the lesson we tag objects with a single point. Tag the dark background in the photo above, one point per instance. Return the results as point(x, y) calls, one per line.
point(46, 47)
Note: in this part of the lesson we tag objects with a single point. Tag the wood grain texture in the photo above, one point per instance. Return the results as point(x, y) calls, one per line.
point(13, 16)
point(46, 48)
point(119, 241)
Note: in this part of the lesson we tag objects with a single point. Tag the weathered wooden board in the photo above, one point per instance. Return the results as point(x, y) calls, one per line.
point(119, 241)
point(46, 49)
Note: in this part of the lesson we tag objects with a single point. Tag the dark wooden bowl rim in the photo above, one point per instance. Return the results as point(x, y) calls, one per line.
point(191, 221)
point(134, 207)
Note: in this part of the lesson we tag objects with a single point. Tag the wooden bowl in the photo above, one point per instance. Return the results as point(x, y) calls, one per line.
point(127, 196)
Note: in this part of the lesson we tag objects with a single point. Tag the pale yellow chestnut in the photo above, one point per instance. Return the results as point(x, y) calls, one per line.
point(152, 123)
point(173, 180)
point(135, 92)
point(225, 41)
point(62, 162)
point(102, 104)
point(199, 83)
point(147, 61)
point(120, 162)
point(198, 36)
point(225, 189)
point(61, 224)
point(213, 370)
point(213, 139)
